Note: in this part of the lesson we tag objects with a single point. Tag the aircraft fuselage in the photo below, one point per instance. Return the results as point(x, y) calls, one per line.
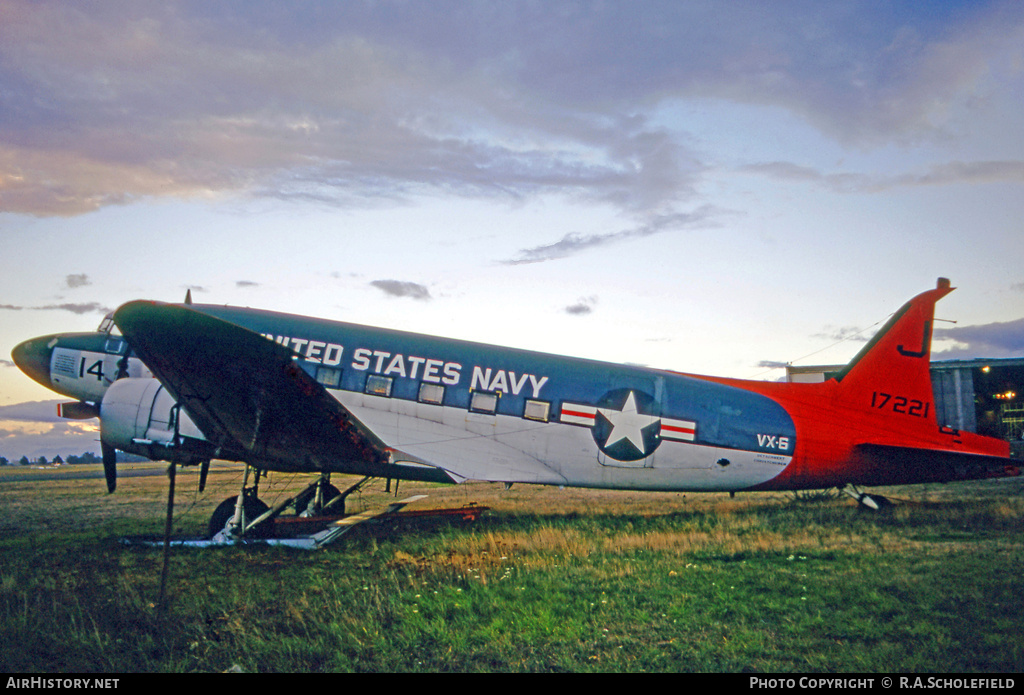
point(433, 408)
point(487, 412)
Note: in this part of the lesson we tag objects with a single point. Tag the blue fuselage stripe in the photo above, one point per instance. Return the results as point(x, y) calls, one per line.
point(344, 356)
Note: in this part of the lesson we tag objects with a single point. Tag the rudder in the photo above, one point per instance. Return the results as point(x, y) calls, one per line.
point(893, 370)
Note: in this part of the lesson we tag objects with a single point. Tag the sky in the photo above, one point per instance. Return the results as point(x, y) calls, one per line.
point(712, 187)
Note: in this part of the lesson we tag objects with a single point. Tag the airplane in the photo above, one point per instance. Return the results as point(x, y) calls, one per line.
point(188, 383)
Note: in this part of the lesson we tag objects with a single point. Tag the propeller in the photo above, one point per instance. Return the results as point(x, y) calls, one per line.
point(108, 451)
point(109, 465)
point(204, 470)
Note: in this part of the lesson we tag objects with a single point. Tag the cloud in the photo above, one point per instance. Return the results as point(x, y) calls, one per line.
point(81, 308)
point(107, 107)
point(246, 283)
point(73, 307)
point(49, 440)
point(949, 173)
point(357, 103)
point(78, 280)
point(845, 333)
point(33, 429)
point(788, 171)
point(995, 340)
point(397, 288)
point(574, 243)
point(584, 306)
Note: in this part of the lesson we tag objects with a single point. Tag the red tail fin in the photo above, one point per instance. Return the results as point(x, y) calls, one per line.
point(891, 377)
point(892, 371)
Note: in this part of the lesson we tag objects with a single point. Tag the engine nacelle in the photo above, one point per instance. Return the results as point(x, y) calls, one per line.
point(137, 416)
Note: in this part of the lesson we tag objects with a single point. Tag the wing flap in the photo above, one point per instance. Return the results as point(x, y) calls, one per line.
point(247, 393)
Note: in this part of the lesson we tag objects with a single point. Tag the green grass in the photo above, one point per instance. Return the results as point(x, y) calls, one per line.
point(548, 580)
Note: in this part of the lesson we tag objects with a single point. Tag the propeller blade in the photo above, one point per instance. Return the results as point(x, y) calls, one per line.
point(109, 465)
point(204, 469)
point(122, 364)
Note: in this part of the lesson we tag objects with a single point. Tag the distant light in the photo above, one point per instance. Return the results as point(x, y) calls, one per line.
point(986, 369)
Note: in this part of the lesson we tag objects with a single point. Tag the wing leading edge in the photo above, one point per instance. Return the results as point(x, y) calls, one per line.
point(250, 398)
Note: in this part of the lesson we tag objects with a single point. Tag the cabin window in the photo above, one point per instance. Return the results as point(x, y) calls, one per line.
point(331, 378)
point(378, 385)
point(537, 410)
point(483, 402)
point(108, 326)
point(431, 393)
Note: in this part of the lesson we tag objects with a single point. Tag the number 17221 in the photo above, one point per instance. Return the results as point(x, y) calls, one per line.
point(900, 404)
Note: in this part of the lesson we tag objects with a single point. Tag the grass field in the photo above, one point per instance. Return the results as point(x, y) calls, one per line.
point(547, 580)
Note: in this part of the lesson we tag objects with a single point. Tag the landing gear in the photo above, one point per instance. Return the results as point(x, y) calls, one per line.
point(874, 502)
point(224, 515)
point(246, 516)
point(317, 498)
point(242, 515)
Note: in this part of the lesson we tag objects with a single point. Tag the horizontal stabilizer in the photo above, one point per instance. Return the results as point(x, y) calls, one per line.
point(896, 465)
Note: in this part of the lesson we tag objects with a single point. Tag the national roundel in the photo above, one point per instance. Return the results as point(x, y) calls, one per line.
point(625, 427)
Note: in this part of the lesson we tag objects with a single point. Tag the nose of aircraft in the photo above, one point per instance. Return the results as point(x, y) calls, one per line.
point(33, 358)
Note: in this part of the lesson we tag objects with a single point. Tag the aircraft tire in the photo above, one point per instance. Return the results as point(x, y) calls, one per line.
point(875, 503)
point(330, 492)
point(226, 510)
point(882, 502)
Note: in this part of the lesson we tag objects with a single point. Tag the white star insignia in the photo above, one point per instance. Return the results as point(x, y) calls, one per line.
point(628, 424)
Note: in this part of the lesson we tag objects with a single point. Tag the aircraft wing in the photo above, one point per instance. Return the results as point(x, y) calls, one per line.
point(248, 395)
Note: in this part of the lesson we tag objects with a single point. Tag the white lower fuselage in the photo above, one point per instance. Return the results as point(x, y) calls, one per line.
point(511, 449)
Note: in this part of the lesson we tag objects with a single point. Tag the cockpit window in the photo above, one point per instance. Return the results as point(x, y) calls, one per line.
point(108, 326)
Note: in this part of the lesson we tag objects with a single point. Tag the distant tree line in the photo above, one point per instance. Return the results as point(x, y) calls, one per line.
point(87, 457)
